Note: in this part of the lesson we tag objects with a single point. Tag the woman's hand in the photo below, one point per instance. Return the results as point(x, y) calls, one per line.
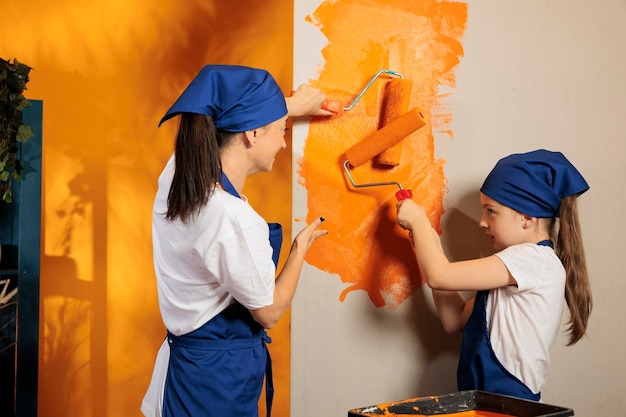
point(308, 235)
point(306, 101)
point(287, 280)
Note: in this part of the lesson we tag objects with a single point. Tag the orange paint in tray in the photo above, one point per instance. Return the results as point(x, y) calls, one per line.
point(420, 40)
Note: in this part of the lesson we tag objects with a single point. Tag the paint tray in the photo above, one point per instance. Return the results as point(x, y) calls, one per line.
point(464, 401)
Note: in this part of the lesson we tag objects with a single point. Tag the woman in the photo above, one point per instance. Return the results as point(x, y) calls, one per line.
point(215, 257)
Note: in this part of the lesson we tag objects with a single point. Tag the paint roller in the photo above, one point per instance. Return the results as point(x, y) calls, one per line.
point(337, 107)
point(382, 139)
point(395, 103)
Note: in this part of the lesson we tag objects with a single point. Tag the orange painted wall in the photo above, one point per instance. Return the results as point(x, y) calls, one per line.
point(421, 41)
point(106, 72)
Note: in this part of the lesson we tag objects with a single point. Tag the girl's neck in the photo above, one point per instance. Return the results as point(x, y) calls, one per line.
point(542, 230)
point(539, 237)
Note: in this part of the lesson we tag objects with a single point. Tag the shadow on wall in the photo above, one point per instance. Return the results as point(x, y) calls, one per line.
point(462, 239)
point(107, 79)
point(439, 348)
point(70, 303)
point(73, 329)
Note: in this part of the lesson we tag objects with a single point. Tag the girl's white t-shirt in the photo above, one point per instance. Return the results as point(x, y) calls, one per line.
point(524, 320)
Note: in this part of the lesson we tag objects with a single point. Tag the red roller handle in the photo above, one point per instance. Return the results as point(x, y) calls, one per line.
point(404, 194)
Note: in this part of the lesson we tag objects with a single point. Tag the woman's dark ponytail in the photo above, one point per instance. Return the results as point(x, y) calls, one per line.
point(198, 166)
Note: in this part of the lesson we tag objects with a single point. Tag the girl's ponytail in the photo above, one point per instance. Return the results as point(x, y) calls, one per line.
point(569, 248)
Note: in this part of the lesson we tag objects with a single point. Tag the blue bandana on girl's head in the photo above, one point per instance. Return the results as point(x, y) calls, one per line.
point(237, 98)
point(534, 183)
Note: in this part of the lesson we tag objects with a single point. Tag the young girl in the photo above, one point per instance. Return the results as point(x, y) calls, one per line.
point(529, 215)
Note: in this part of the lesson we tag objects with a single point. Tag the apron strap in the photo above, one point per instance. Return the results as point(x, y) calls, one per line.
point(209, 344)
point(269, 379)
point(276, 238)
point(228, 186)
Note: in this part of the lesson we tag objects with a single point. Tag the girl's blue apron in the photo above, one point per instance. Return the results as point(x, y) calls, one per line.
point(218, 369)
point(479, 368)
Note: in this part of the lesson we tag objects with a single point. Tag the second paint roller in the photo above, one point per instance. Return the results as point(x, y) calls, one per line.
point(395, 103)
point(381, 140)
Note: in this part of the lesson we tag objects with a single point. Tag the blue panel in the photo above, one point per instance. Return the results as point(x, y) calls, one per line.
point(28, 199)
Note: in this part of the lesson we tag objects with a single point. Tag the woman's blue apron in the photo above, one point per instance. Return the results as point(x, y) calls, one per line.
point(479, 368)
point(218, 369)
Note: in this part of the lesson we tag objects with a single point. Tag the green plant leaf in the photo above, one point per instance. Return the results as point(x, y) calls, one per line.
point(23, 104)
point(13, 79)
point(7, 196)
point(24, 133)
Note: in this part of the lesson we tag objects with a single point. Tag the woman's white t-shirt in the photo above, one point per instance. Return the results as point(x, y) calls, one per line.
point(223, 255)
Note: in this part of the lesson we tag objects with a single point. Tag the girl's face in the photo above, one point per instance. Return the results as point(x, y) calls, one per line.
point(502, 225)
point(269, 141)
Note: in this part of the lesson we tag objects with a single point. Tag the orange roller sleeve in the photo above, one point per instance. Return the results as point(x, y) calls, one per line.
point(386, 137)
point(395, 103)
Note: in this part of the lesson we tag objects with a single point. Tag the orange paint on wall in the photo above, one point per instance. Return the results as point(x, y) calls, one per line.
point(365, 247)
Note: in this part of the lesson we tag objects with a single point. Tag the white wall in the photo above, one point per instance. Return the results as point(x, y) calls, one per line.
point(535, 74)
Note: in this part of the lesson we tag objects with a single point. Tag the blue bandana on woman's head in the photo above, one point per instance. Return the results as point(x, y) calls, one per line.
point(534, 183)
point(237, 98)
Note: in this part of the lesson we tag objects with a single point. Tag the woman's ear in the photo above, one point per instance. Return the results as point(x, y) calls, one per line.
point(250, 136)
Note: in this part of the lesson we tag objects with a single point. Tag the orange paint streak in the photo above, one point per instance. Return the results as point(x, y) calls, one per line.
point(365, 247)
